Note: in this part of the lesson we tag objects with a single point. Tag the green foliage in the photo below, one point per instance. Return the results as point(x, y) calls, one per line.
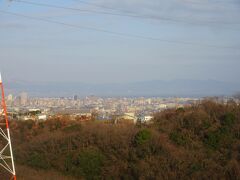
point(86, 164)
point(180, 110)
point(219, 138)
point(143, 136)
point(195, 167)
point(34, 113)
point(212, 140)
point(228, 119)
point(178, 138)
point(37, 160)
point(206, 124)
point(72, 128)
point(223, 136)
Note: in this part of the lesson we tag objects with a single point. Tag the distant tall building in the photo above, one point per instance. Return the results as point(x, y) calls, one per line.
point(10, 98)
point(17, 101)
point(75, 97)
point(23, 98)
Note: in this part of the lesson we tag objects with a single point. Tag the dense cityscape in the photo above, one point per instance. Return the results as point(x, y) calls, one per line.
point(23, 107)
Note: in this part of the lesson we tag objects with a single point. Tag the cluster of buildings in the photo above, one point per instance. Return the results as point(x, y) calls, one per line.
point(139, 109)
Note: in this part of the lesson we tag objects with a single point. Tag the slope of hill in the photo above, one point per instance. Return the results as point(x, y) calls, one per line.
point(199, 142)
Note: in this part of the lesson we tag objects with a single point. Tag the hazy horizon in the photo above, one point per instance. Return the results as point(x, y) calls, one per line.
point(183, 88)
point(167, 40)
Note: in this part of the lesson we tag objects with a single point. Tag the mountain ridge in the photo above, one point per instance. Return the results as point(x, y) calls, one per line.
point(180, 87)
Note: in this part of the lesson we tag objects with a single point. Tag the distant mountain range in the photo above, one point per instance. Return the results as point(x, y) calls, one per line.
point(185, 88)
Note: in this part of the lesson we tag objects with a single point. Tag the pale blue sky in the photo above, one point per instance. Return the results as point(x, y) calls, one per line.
point(33, 50)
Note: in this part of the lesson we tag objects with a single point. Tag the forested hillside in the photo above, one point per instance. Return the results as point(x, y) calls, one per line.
point(198, 142)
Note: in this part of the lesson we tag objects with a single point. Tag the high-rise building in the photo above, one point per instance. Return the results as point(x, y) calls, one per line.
point(75, 97)
point(23, 98)
point(10, 98)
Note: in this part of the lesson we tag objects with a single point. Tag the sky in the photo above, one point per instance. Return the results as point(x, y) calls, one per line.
point(107, 41)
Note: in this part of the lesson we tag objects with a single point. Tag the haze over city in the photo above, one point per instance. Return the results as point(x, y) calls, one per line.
point(102, 42)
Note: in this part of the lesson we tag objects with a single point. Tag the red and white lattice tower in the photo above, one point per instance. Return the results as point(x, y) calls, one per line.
point(6, 154)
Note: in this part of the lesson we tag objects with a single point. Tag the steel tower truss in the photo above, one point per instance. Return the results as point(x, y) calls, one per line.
point(6, 154)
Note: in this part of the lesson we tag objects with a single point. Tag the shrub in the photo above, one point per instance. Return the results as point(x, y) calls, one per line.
point(178, 138)
point(228, 119)
point(218, 138)
point(180, 110)
point(206, 124)
point(72, 128)
point(37, 160)
point(212, 140)
point(86, 164)
point(29, 124)
point(195, 167)
point(142, 136)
